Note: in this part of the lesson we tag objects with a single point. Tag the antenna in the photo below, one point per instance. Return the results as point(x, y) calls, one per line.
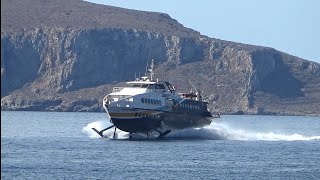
point(151, 70)
point(147, 62)
point(198, 92)
point(149, 54)
point(146, 68)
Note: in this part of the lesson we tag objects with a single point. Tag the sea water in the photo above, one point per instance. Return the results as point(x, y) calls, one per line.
point(56, 145)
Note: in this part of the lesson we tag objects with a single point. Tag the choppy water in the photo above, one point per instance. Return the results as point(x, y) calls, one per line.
point(52, 145)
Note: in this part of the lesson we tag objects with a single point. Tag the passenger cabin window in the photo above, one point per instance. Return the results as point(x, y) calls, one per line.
point(144, 86)
point(151, 86)
point(160, 86)
point(151, 101)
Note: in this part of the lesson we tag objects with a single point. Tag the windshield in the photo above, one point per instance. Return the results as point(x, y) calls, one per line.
point(138, 85)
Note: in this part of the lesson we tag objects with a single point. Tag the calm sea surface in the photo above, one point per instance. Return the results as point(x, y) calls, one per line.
point(55, 145)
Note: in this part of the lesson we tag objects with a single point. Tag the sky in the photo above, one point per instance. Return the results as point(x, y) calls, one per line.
point(291, 26)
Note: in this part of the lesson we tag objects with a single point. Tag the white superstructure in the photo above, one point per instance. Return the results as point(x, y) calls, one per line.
point(145, 105)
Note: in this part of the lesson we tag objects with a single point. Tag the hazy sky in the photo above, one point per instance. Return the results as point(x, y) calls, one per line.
point(291, 26)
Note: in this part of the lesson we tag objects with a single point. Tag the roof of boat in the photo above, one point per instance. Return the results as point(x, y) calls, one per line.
point(141, 82)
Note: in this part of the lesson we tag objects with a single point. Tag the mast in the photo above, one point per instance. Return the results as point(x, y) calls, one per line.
point(151, 70)
point(198, 92)
point(146, 68)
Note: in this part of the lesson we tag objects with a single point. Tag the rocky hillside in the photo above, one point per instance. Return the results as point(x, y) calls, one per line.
point(67, 55)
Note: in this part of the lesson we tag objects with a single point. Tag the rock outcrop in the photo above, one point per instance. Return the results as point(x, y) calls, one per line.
point(67, 55)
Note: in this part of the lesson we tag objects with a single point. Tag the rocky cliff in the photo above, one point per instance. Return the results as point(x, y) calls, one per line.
point(67, 55)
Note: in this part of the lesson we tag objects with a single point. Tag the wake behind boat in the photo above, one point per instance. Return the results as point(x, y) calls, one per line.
point(147, 107)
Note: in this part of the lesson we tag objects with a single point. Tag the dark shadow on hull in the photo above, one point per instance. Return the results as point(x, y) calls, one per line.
point(142, 124)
